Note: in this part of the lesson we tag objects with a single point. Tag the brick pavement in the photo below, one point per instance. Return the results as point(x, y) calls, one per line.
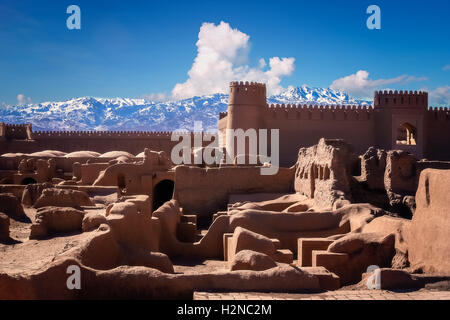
point(330, 295)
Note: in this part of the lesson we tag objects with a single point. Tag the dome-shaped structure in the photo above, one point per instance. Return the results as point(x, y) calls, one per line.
point(12, 155)
point(48, 153)
point(116, 154)
point(82, 154)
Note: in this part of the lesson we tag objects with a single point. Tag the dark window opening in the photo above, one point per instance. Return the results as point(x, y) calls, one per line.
point(162, 192)
point(121, 181)
point(356, 168)
point(28, 181)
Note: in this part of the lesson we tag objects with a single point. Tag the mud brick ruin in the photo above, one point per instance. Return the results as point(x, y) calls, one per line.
point(356, 187)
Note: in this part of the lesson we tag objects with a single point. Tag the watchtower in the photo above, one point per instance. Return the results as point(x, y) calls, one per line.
point(15, 131)
point(246, 110)
point(399, 120)
point(246, 105)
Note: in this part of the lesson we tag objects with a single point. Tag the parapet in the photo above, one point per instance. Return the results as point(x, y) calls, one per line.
point(441, 113)
point(404, 99)
point(247, 84)
point(247, 93)
point(164, 135)
point(222, 115)
point(16, 131)
point(100, 134)
point(316, 112)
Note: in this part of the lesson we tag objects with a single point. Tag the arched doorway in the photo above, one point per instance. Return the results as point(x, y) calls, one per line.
point(406, 134)
point(28, 180)
point(121, 184)
point(162, 192)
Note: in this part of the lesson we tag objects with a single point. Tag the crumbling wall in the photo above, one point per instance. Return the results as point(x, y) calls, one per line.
point(135, 178)
point(400, 176)
point(322, 172)
point(389, 179)
point(428, 245)
point(373, 165)
point(204, 191)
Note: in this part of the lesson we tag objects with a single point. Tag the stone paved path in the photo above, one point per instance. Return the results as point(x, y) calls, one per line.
point(331, 295)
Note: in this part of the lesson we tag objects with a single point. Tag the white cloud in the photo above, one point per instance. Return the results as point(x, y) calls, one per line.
point(157, 97)
point(447, 67)
point(440, 96)
point(262, 63)
point(21, 99)
point(361, 86)
point(413, 78)
point(222, 53)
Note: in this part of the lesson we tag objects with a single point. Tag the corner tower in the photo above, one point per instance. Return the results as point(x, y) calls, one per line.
point(399, 120)
point(246, 109)
point(246, 105)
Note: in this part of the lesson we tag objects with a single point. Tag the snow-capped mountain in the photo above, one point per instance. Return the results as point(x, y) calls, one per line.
point(320, 96)
point(89, 113)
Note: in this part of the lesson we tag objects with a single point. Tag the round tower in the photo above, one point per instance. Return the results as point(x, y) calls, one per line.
point(246, 105)
point(246, 109)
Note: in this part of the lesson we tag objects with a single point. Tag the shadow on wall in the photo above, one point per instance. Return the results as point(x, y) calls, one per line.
point(28, 181)
point(162, 192)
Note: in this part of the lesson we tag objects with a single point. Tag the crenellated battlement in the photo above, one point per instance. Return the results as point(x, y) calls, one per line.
point(248, 93)
point(108, 134)
point(17, 125)
point(319, 107)
point(247, 84)
point(222, 115)
point(15, 131)
point(320, 112)
point(410, 92)
point(392, 99)
point(441, 113)
point(99, 134)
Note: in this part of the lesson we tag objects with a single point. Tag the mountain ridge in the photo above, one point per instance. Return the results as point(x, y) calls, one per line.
point(138, 114)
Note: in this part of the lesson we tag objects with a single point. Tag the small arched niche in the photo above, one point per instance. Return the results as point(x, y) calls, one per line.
point(406, 134)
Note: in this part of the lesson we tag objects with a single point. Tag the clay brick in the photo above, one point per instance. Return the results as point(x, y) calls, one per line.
point(306, 246)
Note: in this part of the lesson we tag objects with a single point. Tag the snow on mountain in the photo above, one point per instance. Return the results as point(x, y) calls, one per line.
point(320, 96)
point(89, 113)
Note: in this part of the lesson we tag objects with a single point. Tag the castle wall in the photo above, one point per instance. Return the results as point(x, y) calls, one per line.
point(438, 134)
point(300, 126)
point(103, 141)
point(303, 126)
point(382, 125)
point(133, 142)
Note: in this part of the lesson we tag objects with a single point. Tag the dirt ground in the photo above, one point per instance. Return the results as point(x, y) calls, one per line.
point(21, 255)
point(24, 255)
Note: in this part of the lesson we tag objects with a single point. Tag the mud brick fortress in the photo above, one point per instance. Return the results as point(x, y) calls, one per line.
point(20, 138)
point(397, 120)
point(356, 187)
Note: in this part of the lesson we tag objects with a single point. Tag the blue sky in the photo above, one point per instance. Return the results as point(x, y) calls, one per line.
point(145, 48)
